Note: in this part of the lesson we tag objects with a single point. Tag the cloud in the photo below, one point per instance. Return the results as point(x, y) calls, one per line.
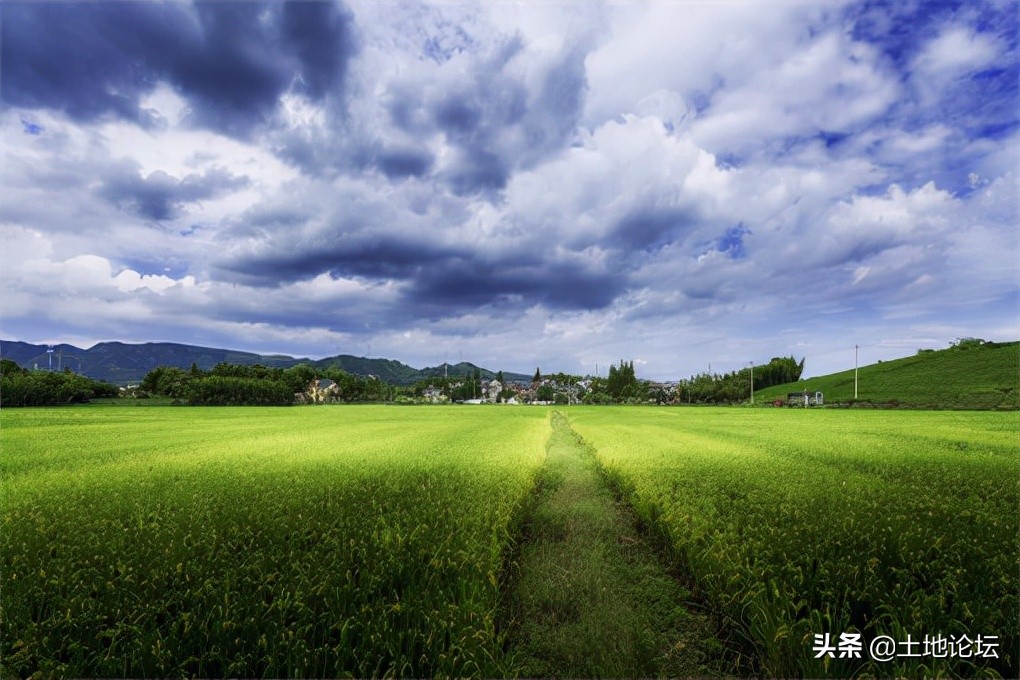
point(493, 113)
point(230, 61)
point(407, 162)
point(563, 185)
point(956, 52)
point(830, 85)
point(159, 196)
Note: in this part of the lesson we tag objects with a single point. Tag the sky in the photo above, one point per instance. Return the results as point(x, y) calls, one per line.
point(560, 185)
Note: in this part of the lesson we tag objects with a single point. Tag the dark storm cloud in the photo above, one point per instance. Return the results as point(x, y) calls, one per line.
point(496, 121)
point(462, 283)
point(364, 255)
point(159, 196)
point(230, 60)
point(322, 35)
point(74, 56)
point(398, 163)
point(476, 171)
point(436, 278)
point(557, 105)
point(458, 116)
point(648, 229)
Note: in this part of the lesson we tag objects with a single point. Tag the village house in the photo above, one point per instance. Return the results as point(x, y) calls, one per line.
point(322, 391)
point(434, 395)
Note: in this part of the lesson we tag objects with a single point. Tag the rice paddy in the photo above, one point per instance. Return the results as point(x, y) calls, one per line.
point(361, 541)
point(797, 523)
point(372, 541)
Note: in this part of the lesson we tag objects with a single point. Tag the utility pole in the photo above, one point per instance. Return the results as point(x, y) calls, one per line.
point(752, 382)
point(855, 371)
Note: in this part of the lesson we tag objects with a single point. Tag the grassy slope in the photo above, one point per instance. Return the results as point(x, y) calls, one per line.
point(984, 377)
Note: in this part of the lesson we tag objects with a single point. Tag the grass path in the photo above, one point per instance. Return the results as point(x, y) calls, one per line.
point(591, 596)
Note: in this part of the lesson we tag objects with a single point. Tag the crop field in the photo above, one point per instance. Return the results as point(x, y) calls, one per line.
point(370, 540)
point(258, 542)
point(796, 523)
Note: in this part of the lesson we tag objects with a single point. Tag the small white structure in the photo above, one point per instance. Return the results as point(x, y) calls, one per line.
point(804, 398)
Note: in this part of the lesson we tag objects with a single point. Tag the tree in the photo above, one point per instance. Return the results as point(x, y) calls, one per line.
point(221, 390)
point(622, 382)
point(8, 367)
point(538, 376)
point(297, 377)
point(166, 381)
point(499, 377)
point(19, 387)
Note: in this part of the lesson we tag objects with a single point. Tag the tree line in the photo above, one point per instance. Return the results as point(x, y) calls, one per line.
point(22, 387)
point(254, 385)
point(735, 386)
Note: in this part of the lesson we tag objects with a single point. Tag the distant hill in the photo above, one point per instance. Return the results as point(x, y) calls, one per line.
point(396, 373)
point(124, 363)
point(466, 369)
point(968, 376)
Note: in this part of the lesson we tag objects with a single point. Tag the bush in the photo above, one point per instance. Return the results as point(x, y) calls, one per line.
point(19, 387)
point(219, 390)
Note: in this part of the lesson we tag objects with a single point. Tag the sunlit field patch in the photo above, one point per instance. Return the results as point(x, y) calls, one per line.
point(798, 523)
point(259, 542)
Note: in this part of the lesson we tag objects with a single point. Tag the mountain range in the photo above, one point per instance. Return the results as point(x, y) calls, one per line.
point(123, 363)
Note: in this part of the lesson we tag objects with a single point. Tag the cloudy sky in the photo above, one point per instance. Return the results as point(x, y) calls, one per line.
point(516, 184)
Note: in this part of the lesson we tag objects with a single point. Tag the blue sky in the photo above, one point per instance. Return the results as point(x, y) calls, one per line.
point(519, 185)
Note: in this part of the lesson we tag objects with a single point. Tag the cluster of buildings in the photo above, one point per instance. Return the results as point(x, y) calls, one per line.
point(493, 391)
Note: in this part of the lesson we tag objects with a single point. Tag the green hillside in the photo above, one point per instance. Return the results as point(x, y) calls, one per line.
point(388, 370)
point(466, 369)
point(968, 376)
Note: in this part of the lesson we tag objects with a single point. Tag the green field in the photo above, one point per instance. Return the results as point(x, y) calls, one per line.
point(965, 377)
point(371, 541)
point(259, 542)
point(797, 522)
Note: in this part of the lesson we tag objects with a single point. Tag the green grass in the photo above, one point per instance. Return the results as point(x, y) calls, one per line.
point(131, 402)
point(981, 377)
point(591, 596)
point(800, 522)
point(361, 541)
